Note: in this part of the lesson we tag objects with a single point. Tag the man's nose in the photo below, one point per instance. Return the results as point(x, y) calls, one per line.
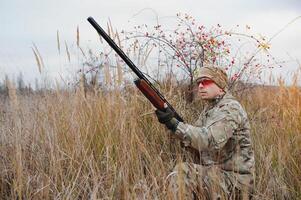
point(201, 85)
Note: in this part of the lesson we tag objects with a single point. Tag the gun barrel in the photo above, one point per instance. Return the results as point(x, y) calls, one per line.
point(116, 48)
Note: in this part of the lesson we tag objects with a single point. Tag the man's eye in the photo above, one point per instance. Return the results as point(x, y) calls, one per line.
point(206, 82)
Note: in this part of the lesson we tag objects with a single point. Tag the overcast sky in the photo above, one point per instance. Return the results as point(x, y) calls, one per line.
point(25, 22)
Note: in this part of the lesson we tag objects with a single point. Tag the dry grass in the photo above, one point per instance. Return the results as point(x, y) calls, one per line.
point(65, 145)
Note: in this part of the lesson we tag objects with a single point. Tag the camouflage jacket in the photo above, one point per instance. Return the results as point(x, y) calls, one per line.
point(222, 136)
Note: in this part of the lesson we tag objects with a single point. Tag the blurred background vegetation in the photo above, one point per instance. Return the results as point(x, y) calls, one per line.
point(97, 137)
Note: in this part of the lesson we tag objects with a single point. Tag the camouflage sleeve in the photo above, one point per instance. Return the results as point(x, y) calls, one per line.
point(215, 134)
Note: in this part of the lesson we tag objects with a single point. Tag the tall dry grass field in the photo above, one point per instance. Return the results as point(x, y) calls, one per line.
point(109, 145)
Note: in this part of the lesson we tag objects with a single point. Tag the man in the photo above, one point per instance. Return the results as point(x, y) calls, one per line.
point(222, 137)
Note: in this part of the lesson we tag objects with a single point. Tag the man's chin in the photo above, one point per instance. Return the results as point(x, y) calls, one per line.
point(203, 97)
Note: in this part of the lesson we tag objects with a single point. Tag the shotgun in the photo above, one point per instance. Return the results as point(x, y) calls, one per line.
point(144, 85)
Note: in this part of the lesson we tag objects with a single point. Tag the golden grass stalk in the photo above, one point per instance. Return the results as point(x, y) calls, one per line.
point(147, 53)
point(12, 93)
point(109, 29)
point(77, 36)
point(108, 78)
point(67, 52)
point(118, 39)
point(38, 58)
point(58, 41)
point(119, 73)
point(83, 53)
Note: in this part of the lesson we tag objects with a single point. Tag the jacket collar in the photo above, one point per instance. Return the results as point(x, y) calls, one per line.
point(215, 101)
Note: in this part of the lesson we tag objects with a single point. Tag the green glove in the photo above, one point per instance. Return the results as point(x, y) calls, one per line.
point(167, 117)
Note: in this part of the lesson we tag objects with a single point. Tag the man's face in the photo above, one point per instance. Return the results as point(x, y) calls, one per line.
point(207, 89)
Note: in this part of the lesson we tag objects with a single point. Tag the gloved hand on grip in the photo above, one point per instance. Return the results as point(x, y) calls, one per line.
point(167, 117)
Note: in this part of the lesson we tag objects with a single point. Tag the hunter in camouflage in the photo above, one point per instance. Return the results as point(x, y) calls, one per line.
point(222, 136)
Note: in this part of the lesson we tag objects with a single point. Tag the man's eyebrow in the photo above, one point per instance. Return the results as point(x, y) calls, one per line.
point(203, 79)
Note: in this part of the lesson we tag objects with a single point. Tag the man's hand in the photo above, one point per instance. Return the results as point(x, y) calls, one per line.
point(167, 117)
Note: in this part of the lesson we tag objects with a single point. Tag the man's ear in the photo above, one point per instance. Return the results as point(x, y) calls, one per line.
point(222, 91)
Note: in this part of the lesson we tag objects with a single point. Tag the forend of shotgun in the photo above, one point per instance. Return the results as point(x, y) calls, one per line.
point(150, 94)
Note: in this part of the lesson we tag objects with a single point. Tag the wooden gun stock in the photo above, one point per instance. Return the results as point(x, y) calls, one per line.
point(150, 94)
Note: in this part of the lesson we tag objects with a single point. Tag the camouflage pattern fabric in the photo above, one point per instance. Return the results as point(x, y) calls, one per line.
point(222, 136)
